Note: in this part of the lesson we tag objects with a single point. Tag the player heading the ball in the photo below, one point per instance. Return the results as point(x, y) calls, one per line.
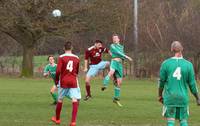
point(93, 58)
point(116, 67)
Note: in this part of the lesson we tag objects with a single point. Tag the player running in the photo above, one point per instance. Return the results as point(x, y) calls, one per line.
point(93, 58)
point(176, 75)
point(116, 67)
point(50, 70)
point(66, 76)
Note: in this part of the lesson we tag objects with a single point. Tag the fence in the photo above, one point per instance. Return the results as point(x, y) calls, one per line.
point(148, 66)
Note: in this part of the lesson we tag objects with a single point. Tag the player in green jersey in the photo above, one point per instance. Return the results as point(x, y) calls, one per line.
point(50, 70)
point(176, 75)
point(116, 67)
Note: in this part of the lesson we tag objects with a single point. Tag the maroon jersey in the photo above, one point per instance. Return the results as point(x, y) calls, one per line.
point(67, 70)
point(95, 54)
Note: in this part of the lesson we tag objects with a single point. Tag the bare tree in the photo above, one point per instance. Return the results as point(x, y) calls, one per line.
point(27, 21)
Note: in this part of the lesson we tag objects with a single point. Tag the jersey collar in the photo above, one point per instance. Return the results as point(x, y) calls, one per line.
point(177, 57)
point(52, 65)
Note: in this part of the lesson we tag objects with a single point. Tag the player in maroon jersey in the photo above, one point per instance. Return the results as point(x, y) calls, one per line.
point(93, 59)
point(66, 77)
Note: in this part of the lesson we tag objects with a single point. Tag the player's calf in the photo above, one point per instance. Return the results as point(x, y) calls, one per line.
point(107, 79)
point(54, 94)
point(105, 82)
point(87, 87)
point(183, 122)
point(56, 118)
point(55, 97)
point(114, 80)
point(117, 92)
point(75, 104)
point(170, 122)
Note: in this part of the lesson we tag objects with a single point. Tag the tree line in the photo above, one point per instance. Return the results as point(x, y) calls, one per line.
point(28, 28)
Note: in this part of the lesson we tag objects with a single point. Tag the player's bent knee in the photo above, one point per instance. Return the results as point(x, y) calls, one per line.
point(119, 82)
point(60, 100)
point(74, 100)
point(118, 85)
point(107, 64)
point(87, 80)
point(53, 89)
point(111, 73)
point(171, 119)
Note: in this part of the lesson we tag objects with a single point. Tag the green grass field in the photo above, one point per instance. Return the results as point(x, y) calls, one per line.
point(26, 102)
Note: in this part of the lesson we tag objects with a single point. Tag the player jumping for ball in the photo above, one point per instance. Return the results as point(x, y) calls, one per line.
point(50, 70)
point(116, 67)
point(66, 76)
point(94, 54)
point(176, 75)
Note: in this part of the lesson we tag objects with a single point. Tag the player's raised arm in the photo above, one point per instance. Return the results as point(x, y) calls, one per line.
point(129, 58)
point(192, 84)
point(106, 50)
point(117, 51)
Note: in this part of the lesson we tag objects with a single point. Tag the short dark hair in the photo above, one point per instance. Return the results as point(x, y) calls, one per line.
point(98, 41)
point(68, 45)
point(115, 34)
point(49, 57)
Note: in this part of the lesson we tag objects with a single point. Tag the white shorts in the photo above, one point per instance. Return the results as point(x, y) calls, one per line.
point(71, 93)
point(94, 69)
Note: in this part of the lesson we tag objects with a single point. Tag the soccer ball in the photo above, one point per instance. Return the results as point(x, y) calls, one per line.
point(56, 13)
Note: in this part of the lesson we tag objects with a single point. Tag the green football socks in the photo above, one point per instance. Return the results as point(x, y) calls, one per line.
point(183, 123)
point(170, 122)
point(106, 81)
point(117, 92)
point(54, 96)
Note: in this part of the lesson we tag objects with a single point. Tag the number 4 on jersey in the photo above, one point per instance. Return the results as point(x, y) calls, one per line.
point(177, 73)
point(70, 66)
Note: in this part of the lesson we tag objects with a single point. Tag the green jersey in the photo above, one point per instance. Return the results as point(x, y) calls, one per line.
point(52, 70)
point(176, 75)
point(117, 51)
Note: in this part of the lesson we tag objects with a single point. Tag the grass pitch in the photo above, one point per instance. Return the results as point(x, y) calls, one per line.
point(26, 102)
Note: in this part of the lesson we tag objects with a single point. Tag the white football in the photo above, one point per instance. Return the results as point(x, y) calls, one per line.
point(56, 13)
